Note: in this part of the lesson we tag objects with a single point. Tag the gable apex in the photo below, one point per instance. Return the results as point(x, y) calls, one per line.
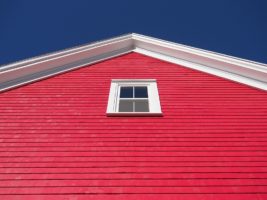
point(240, 70)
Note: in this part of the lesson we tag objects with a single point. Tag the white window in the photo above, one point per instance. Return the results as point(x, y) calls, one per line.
point(133, 97)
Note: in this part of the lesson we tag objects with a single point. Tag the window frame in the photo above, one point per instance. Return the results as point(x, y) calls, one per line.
point(134, 99)
point(153, 97)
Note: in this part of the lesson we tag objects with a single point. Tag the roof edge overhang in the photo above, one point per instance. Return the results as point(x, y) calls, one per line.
point(243, 71)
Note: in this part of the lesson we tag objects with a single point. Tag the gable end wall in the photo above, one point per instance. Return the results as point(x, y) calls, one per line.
point(57, 142)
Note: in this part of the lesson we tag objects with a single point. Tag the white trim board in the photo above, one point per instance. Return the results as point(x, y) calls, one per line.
point(243, 71)
point(224, 74)
point(153, 97)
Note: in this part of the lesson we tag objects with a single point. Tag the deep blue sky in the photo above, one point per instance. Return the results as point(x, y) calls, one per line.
point(234, 27)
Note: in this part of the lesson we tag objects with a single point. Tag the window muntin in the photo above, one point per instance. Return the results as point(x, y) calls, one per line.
point(133, 97)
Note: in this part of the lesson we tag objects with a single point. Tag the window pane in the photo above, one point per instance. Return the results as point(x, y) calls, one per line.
point(140, 92)
point(126, 92)
point(141, 106)
point(126, 106)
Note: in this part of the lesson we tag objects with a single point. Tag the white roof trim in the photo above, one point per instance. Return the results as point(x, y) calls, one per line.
point(236, 69)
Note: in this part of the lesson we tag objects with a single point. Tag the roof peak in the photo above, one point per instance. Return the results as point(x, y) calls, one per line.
point(36, 68)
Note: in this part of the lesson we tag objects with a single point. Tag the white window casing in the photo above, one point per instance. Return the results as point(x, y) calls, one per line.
point(153, 97)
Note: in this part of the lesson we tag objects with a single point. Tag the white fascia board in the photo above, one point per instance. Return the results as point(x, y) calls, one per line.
point(37, 68)
point(206, 69)
point(236, 69)
point(213, 61)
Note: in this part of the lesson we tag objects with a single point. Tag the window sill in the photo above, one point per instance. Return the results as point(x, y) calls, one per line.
point(134, 114)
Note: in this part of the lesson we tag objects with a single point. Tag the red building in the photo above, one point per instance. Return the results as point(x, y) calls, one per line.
point(133, 117)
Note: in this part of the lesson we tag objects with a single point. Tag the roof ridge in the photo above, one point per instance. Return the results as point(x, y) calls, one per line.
point(229, 67)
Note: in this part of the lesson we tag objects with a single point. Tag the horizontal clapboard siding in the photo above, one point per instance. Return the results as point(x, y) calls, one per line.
point(56, 141)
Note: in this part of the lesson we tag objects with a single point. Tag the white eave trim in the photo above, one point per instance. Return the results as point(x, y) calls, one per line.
point(243, 71)
point(204, 68)
point(38, 68)
point(236, 69)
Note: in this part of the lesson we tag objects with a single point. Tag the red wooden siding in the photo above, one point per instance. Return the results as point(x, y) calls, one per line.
point(58, 143)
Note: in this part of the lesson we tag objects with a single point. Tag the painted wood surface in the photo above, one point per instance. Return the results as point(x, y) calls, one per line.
point(58, 143)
